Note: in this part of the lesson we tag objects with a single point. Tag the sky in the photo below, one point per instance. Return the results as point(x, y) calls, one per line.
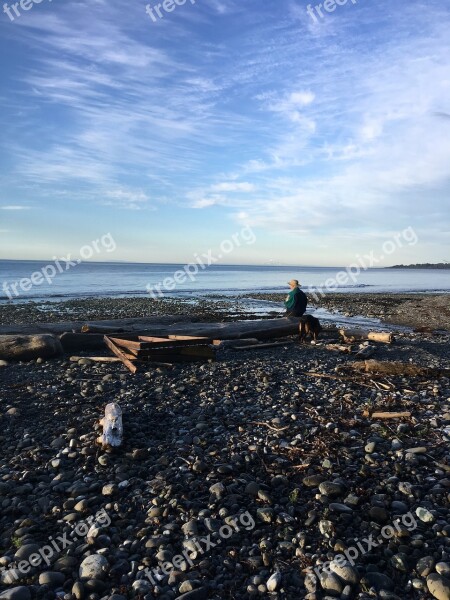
point(327, 136)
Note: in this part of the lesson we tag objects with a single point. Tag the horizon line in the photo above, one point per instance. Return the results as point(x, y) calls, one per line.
point(127, 262)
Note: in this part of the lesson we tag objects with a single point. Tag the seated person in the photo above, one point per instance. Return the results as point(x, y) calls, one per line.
point(296, 300)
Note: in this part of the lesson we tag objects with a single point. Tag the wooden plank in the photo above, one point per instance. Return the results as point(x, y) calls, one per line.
point(171, 358)
point(265, 345)
point(129, 344)
point(106, 359)
point(118, 352)
point(205, 351)
point(150, 338)
point(190, 337)
point(169, 343)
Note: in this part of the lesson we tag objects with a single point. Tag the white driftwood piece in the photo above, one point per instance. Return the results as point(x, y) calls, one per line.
point(353, 335)
point(112, 426)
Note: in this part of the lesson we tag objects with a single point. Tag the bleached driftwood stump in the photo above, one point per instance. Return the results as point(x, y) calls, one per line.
point(112, 426)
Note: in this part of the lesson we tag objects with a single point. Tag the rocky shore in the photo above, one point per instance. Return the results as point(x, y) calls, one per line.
point(257, 470)
point(431, 311)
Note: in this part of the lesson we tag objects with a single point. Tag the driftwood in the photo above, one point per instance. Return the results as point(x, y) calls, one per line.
point(76, 342)
point(132, 348)
point(262, 330)
point(232, 344)
point(29, 347)
point(353, 335)
point(365, 352)
point(387, 415)
point(121, 354)
point(336, 377)
point(100, 329)
point(106, 359)
point(397, 368)
point(263, 345)
point(134, 324)
point(339, 348)
point(112, 426)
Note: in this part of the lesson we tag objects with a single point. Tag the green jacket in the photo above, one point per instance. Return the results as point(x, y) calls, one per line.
point(296, 302)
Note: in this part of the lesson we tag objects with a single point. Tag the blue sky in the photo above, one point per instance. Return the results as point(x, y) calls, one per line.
point(325, 137)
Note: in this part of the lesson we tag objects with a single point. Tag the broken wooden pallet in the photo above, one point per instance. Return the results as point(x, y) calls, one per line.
point(170, 349)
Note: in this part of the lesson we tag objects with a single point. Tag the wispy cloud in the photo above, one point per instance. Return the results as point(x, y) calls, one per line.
point(233, 187)
point(14, 207)
point(130, 199)
point(248, 109)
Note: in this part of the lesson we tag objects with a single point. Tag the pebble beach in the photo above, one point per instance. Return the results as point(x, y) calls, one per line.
point(266, 458)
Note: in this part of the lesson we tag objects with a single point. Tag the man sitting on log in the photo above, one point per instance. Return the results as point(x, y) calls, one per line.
point(296, 301)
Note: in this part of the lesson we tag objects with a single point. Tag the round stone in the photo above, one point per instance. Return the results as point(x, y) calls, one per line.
point(443, 568)
point(16, 593)
point(345, 571)
point(52, 578)
point(93, 567)
point(424, 515)
point(438, 586)
point(425, 565)
point(328, 488)
point(25, 551)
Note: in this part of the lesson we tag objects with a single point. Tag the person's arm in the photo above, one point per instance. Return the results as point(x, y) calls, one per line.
point(290, 300)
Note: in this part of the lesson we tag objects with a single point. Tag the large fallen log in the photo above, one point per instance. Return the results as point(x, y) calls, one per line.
point(264, 345)
point(29, 347)
point(91, 328)
point(262, 330)
point(132, 324)
point(396, 368)
point(353, 335)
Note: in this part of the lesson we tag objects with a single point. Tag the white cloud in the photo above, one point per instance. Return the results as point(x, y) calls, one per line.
point(233, 187)
point(14, 207)
point(126, 198)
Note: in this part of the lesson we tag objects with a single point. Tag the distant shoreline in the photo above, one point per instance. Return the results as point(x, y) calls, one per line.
point(422, 266)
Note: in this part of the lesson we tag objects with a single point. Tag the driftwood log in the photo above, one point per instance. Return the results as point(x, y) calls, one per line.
point(353, 335)
point(262, 330)
point(339, 348)
point(112, 426)
point(387, 415)
point(29, 347)
point(105, 359)
point(88, 328)
point(397, 368)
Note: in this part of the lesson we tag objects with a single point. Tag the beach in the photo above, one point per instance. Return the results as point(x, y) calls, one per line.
point(410, 310)
point(256, 469)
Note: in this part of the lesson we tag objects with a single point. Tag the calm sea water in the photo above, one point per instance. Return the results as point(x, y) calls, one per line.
point(132, 279)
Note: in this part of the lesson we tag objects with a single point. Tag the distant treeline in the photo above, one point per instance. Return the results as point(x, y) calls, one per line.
point(423, 266)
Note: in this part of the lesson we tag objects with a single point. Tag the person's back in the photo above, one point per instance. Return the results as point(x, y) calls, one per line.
point(296, 301)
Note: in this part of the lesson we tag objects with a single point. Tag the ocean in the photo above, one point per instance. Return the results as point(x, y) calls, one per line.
point(89, 279)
